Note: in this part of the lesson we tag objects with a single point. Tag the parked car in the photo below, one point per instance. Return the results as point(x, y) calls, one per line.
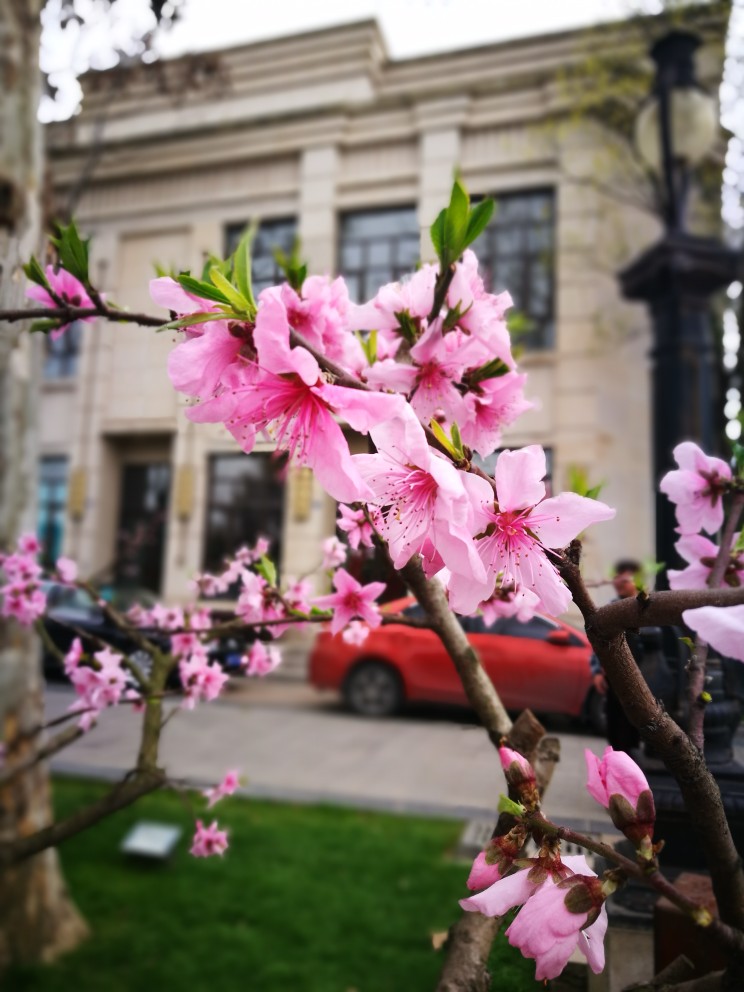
point(71, 613)
point(542, 664)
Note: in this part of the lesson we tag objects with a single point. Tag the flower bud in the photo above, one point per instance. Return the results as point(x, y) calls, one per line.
point(619, 785)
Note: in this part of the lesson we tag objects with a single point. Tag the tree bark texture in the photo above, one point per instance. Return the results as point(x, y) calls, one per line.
point(37, 918)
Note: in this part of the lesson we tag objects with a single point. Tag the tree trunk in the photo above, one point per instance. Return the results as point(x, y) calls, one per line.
point(37, 918)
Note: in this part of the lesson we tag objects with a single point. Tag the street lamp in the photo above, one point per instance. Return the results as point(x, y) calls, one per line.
point(676, 277)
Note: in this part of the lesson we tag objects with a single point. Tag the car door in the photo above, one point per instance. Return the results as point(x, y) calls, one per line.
point(530, 671)
point(427, 669)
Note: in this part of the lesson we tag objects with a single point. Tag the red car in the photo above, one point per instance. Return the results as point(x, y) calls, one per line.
point(542, 664)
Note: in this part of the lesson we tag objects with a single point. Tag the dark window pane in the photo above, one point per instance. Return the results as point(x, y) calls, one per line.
point(377, 247)
point(62, 353)
point(52, 500)
point(245, 501)
point(271, 234)
point(140, 539)
point(515, 253)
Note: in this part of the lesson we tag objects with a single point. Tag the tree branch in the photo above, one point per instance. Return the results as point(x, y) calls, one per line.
point(686, 763)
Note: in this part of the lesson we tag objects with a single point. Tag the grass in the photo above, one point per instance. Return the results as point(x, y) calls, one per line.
point(307, 899)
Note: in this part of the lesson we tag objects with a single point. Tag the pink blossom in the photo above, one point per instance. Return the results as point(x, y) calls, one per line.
point(170, 295)
point(422, 498)
point(260, 659)
point(334, 553)
point(701, 553)
point(355, 525)
point(490, 407)
point(620, 786)
point(26, 602)
point(350, 600)
point(482, 313)
point(413, 297)
point(208, 840)
point(182, 644)
point(549, 930)
point(73, 657)
point(200, 679)
point(297, 595)
point(226, 787)
point(67, 570)
point(300, 413)
point(520, 527)
point(721, 627)
point(356, 633)
point(198, 365)
point(29, 544)
point(167, 617)
point(696, 488)
point(96, 687)
point(69, 289)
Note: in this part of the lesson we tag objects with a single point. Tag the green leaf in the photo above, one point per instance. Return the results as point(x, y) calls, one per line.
point(407, 326)
point(267, 569)
point(235, 297)
point(441, 436)
point(456, 223)
point(491, 370)
point(72, 251)
point(437, 236)
point(242, 266)
point(35, 273)
point(201, 289)
point(507, 805)
point(478, 220)
point(43, 326)
point(188, 320)
point(457, 439)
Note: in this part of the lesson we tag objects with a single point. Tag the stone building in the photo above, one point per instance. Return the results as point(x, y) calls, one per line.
point(323, 136)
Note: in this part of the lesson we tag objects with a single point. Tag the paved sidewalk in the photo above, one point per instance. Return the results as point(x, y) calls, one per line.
point(292, 743)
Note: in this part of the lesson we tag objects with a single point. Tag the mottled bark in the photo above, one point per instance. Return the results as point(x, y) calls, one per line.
point(37, 919)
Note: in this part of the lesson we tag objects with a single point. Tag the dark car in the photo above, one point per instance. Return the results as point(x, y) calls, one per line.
point(542, 664)
point(72, 613)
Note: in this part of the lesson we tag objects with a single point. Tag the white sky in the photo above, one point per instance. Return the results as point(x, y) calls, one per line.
point(410, 27)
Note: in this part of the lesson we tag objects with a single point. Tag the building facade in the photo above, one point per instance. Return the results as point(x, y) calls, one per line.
point(321, 136)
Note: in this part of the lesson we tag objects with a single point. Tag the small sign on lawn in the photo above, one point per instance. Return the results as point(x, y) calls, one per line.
point(151, 840)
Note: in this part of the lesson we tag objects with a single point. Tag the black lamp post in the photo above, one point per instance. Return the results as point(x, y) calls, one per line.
point(677, 276)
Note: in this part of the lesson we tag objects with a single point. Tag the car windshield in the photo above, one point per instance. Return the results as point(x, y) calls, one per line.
point(70, 602)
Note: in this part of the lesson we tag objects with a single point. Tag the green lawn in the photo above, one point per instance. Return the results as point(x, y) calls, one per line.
point(307, 899)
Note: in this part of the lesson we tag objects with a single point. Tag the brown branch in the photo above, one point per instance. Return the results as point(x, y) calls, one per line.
point(121, 795)
point(686, 763)
point(727, 937)
point(657, 609)
point(479, 689)
point(52, 746)
point(66, 315)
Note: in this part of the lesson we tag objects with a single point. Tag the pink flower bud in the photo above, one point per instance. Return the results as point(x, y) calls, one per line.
point(516, 767)
point(619, 785)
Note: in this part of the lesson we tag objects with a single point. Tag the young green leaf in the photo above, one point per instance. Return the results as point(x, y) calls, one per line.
point(43, 326)
point(72, 251)
point(188, 320)
point(267, 569)
point(446, 442)
point(456, 222)
point(35, 273)
point(478, 220)
point(235, 297)
point(201, 289)
point(437, 236)
point(242, 265)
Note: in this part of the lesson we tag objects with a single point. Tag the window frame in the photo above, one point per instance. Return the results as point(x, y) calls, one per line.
point(234, 230)
point(362, 283)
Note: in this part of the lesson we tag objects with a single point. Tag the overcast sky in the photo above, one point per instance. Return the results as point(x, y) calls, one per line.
point(410, 27)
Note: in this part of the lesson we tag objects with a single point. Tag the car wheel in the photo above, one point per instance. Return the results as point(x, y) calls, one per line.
point(373, 689)
point(596, 712)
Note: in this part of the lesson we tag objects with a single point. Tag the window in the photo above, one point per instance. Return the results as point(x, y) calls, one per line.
point(515, 252)
point(377, 247)
point(62, 353)
point(52, 502)
point(271, 234)
point(245, 501)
